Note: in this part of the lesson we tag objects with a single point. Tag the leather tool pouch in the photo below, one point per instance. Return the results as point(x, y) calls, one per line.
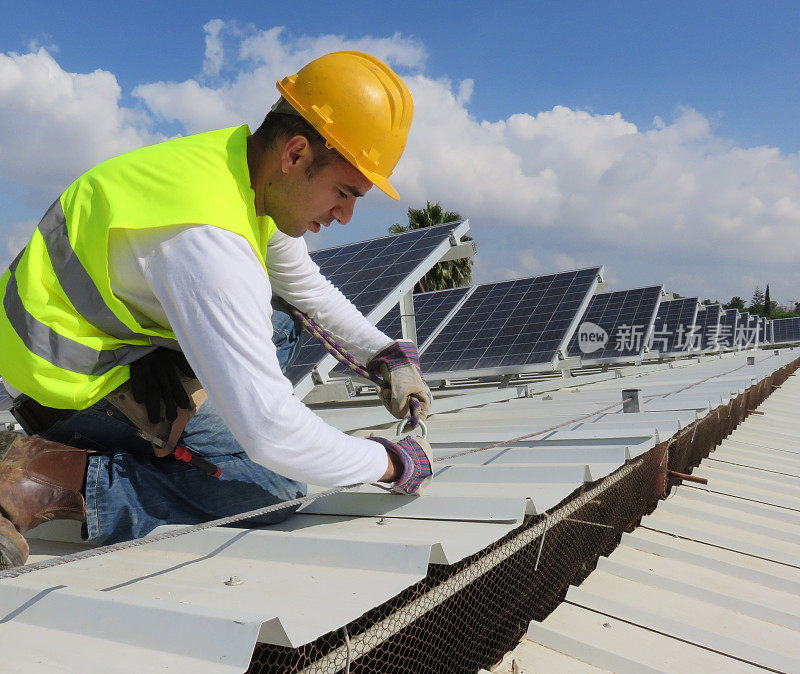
point(163, 432)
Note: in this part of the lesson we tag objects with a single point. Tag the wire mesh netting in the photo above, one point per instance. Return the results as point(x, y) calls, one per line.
point(466, 616)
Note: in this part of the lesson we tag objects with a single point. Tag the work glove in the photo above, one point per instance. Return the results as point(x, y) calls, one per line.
point(398, 365)
point(155, 380)
point(416, 456)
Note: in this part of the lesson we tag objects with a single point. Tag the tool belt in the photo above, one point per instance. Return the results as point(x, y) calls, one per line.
point(36, 418)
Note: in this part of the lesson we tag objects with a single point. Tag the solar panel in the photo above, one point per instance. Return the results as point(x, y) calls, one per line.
point(373, 274)
point(785, 330)
point(624, 318)
point(430, 309)
point(755, 322)
point(708, 327)
point(768, 331)
point(675, 330)
point(745, 337)
point(728, 322)
point(512, 326)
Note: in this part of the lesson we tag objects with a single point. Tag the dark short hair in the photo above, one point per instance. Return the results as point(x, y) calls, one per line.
point(280, 126)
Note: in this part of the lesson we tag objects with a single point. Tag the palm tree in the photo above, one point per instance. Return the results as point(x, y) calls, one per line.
point(452, 274)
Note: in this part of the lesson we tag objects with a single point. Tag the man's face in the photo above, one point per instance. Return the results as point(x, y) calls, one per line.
point(311, 203)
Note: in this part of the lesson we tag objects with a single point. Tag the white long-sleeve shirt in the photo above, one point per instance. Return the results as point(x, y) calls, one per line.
point(208, 286)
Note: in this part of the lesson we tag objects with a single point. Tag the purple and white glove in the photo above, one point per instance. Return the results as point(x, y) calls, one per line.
point(415, 455)
point(398, 364)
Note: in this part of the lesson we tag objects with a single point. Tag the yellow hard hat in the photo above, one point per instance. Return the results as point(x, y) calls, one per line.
point(359, 105)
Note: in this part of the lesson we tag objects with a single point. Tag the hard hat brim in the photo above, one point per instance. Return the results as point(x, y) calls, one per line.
point(381, 183)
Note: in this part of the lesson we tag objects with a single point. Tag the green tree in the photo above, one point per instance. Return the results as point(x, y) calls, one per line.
point(452, 274)
point(767, 303)
point(758, 297)
point(735, 303)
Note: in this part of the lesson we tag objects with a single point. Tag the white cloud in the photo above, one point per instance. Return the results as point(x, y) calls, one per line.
point(673, 203)
point(54, 124)
point(263, 57)
point(564, 261)
point(16, 237)
point(215, 52)
point(465, 89)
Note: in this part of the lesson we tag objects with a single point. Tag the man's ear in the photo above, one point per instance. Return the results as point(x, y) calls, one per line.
point(297, 153)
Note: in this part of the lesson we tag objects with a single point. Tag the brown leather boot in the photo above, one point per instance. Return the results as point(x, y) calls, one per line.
point(39, 481)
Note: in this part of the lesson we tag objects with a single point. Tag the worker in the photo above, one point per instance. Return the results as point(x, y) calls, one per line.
point(139, 316)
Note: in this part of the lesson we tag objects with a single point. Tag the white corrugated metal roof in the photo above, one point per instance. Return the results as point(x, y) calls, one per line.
point(167, 605)
point(709, 582)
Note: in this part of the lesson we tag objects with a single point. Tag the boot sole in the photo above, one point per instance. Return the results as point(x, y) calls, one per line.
point(13, 546)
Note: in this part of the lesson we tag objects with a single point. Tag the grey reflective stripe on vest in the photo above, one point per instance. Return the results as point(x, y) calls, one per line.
point(61, 351)
point(78, 286)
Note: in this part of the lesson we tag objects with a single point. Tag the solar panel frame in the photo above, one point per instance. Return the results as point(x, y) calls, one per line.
point(786, 330)
point(497, 325)
point(681, 312)
point(367, 261)
point(612, 311)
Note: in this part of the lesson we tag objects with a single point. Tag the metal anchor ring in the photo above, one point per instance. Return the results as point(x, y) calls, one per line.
point(420, 425)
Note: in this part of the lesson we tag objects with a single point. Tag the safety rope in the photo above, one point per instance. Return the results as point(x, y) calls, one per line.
point(294, 503)
point(340, 353)
point(174, 533)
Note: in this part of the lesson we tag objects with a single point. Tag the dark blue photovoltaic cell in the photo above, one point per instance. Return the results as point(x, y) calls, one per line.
point(767, 331)
point(674, 330)
point(786, 330)
point(625, 315)
point(728, 322)
point(511, 323)
point(755, 322)
point(708, 331)
point(367, 272)
point(430, 309)
point(746, 330)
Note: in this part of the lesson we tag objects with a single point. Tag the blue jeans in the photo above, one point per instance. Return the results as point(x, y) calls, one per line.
point(129, 492)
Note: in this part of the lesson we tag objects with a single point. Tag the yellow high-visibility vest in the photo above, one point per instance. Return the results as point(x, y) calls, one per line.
point(65, 339)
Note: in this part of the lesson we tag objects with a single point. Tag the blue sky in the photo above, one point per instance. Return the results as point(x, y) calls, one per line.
point(737, 62)
point(658, 138)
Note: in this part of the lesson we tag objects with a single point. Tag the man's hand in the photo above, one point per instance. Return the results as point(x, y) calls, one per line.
point(410, 465)
point(398, 364)
point(155, 379)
